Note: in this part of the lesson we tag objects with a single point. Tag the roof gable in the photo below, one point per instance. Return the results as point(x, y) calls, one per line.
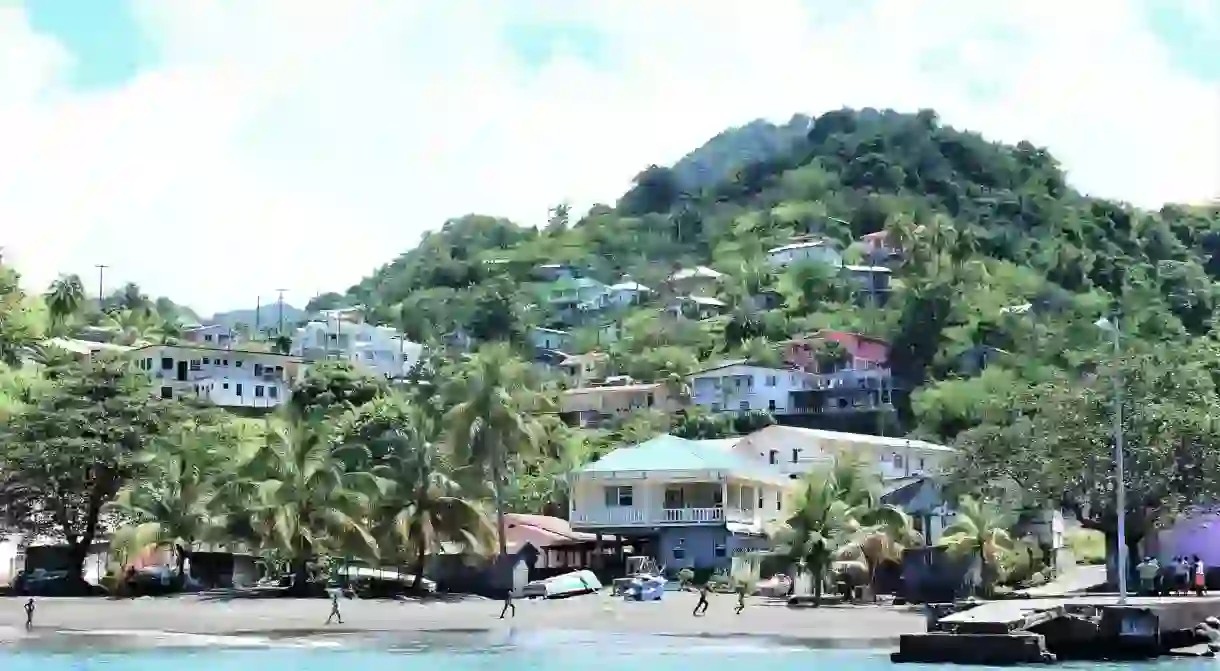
point(669, 453)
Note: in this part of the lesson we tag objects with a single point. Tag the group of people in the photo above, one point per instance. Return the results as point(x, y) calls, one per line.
point(1180, 575)
point(701, 607)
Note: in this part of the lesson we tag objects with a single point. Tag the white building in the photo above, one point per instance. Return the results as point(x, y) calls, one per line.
point(738, 386)
point(212, 335)
point(697, 281)
point(342, 335)
point(797, 450)
point(628, 293)
point(225, 377)
point(685, 502)
point(815, 250)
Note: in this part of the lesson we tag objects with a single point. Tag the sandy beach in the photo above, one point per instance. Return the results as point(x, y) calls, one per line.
point(855, 626)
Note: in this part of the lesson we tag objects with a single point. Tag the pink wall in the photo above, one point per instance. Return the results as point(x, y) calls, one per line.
point(800, 352)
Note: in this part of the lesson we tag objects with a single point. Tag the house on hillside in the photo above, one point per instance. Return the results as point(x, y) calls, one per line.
point(697, 281)
point(628, 292)
point(583, 370)
point(695, 307)
point(796, 450)
point(614, 398)
point(802, 251)
point(871, 283)
point(230, 378)
point(852, 378)
point(682, 502)
point(740, 386)
point(576, 298)
point(549, 339)
point(344, 335)
point(212, 335)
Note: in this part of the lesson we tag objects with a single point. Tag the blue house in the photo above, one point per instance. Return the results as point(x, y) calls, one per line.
point(686, 503)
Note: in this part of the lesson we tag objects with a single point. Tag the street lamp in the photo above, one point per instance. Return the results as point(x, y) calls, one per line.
point(1111, 327)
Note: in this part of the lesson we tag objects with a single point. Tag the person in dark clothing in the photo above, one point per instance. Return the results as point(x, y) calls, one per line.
point(508, 604)
point(29, 614)
point(741, 598)
point(701, 607)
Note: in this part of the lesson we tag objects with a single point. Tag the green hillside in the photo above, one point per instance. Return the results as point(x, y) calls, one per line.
point(981, 227)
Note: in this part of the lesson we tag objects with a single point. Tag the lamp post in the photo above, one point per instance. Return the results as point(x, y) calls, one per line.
point(1111, 327)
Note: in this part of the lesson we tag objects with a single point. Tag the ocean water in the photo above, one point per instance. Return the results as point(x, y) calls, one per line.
point(461, 651)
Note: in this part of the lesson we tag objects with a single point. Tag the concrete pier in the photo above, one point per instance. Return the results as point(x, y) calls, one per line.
point(1043, 630)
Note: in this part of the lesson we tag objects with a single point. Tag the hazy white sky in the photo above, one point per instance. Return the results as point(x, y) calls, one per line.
point(216, 150)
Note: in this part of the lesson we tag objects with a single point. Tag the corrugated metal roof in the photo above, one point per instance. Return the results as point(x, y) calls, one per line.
point(671, 453)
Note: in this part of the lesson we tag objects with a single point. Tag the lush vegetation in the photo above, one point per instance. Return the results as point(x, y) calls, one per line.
point(998, 258)
point(993, 253)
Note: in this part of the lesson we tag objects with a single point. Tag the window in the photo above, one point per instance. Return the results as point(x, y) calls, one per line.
point(650, 400)
point(618, 496)
point(773, 456)
point(779, 500)
point(715, 407)
point(796, 454)
point(770, 380)
point(195, 364)
point(167, 363)
point(237, 362)
point(897, 460)
point(273, 392)
point(680, 549)
point(207, 337)
point(721, 550)
point(166, 392)
point(258, 391)
point(206, 361)
point(279, 370)
point(224, 386)
point(921, 464)
point(885, 395)
point(239, 389)
point(258, 369)
point(771, 405)
point(761, 502)
point(744, 405)
point(148, 364)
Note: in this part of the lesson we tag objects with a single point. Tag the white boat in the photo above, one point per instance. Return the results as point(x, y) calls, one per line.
point(560, 586)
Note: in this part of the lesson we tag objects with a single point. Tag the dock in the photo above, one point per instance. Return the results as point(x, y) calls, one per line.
point(1046, 630)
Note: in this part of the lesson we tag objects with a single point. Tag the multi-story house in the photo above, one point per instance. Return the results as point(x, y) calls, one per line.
point(343, 335)
point(549, 339)
point(584, 370)
point(686, 503)
point(740, 386)
point(849, 379)
point(225, 377)
point(576, 299)
point(816, 251)
point(695, 307)
point(871, 283)
point(906, 466)
point(85, 350)
point(614, 398)
point(211, 335)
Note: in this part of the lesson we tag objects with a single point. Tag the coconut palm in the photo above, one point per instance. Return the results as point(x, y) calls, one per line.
point(819, 522)
point(980, 528)
point(64, 297)
point(422, 506)
point(296, 497)
point(492, 420)
point(171, 506)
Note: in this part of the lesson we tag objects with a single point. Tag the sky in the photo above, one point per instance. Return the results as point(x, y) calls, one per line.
point(215, 151)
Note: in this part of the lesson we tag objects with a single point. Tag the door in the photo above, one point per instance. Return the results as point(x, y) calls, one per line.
point(182, 371)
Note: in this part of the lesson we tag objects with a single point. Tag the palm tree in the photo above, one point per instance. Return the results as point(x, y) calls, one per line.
point(171, 506)
point(980, 528)
point(491, 422)
point(296, 497)
point(65, 297)
point(422, 507)
point(820, 520)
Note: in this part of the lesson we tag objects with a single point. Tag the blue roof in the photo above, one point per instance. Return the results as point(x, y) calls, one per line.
point(671, 453)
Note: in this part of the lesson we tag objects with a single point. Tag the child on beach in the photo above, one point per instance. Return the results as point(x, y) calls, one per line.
point(29, 614)
point(741, 597)
point(703, 590)
point(334, 606)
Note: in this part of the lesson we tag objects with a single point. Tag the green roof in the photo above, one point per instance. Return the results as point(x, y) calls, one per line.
point(671, 453)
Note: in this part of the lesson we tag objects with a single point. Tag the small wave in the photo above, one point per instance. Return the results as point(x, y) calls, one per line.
point(168, 639)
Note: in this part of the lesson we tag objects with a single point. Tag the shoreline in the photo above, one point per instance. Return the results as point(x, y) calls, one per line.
point(288, 620)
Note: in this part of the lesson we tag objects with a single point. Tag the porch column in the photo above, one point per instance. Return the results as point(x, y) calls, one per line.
point(597, 549)
point(724, 497)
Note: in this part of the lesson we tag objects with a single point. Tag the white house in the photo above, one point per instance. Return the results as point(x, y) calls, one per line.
point(814, 250)
point(543, 338)
point(736, 386)
point(685, 502)
point(344, 336)
point(697, 281)
point(225, 377)
point(212, 335)
point(628, 292)
point(796, 450)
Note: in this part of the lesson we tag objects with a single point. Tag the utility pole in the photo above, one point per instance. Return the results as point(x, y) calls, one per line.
point(101, 273)
point(258, 312)
point(280, 328)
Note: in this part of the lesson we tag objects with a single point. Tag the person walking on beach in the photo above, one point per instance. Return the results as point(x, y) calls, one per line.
point(334, 607)
point(508, 604)
point(1199, 582)
point(703, 590)
point(741, 597)
point(29, 614)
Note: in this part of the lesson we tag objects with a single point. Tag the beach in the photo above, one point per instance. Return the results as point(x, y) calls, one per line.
point(846, 626)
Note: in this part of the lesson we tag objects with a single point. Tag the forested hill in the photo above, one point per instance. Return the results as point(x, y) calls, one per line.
point(982, 227)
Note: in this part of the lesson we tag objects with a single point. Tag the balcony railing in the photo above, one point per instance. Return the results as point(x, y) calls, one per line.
point(627, 516)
